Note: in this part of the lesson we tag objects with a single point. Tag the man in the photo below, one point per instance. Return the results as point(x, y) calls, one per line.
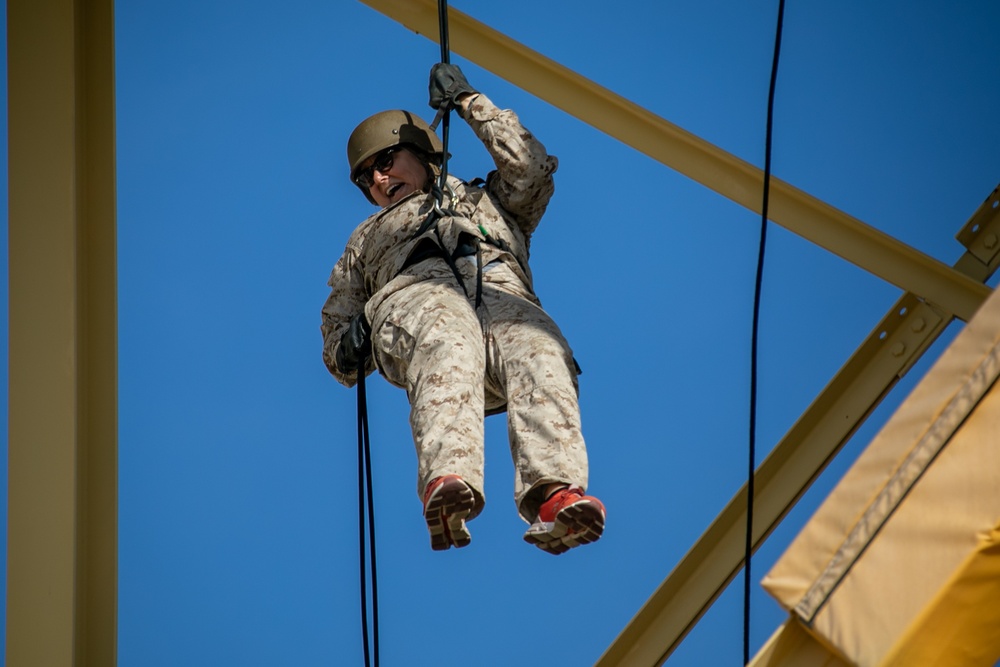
point(435, 291)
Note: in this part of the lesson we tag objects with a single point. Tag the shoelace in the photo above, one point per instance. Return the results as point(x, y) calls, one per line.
point(561, 499)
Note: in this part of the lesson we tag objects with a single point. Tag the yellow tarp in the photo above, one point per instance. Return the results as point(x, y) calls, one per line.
point(887, 550)
point(962, 625)
point(793, 646)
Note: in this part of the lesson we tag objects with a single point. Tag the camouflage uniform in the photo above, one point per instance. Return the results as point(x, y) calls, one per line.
point(458, 360)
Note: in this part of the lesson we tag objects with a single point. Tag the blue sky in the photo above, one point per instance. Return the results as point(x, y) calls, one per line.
point(237, 450)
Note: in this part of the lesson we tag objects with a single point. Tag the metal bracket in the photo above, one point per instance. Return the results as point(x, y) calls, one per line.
point(981, 235)
point(908, 330)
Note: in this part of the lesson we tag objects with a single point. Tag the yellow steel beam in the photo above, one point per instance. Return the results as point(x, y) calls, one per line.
point(847, 237)
point(62, 437)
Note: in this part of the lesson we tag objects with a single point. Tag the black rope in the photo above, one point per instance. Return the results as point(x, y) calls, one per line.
point(446, 119)
point(365, 492)
point(753, 354)
point(443, 117)
point(365, 482)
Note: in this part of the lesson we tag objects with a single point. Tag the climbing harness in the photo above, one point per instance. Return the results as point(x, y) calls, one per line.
point(748, 546)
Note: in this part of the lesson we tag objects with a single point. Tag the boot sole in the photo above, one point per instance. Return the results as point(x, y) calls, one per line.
point(580, 523)
point(445, 513)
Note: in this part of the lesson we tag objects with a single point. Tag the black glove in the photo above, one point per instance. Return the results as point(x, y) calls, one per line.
point(355, 344)
point(446, 85)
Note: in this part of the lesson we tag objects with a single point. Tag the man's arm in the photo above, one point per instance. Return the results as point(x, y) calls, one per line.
point(347, 299)
point(523, 180)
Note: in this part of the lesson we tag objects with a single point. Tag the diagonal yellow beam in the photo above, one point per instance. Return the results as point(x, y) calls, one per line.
point(717, 557)
point(814, 220)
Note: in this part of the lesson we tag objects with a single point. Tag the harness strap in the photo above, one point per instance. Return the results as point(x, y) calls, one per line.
point(479, 274)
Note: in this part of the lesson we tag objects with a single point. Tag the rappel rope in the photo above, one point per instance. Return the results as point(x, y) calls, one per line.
point(365, 493)
point(366, 503)
point(366, 500)
point(748, 552)
point(444, 113)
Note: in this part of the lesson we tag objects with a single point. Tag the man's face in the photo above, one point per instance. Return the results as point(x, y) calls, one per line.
point(395, 175)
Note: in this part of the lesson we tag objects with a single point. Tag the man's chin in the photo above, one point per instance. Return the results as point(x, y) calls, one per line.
point(400, 193)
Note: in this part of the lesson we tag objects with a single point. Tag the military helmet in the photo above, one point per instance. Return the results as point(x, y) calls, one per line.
point(386, 129)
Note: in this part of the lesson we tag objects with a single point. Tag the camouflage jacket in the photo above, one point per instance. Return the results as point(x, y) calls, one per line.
point(508, 207)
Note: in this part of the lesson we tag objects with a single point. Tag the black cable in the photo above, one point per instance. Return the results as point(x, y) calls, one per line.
point(364, 444)
point(365, 481)
point(446, 119)
point(361, 518)
point(371, 520)
point(753, 345)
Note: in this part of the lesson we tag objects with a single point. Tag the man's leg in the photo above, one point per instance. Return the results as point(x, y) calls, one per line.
point(432, 344)
point(533, 361)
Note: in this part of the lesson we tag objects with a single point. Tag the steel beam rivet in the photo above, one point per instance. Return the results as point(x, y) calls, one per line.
point(918, 325)
point(898, 349)
point(990, 241)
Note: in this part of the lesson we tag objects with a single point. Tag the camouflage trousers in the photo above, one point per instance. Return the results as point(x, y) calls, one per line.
point(456, 363)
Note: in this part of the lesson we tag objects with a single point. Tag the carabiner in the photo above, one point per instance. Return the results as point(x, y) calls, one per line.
point(439, 199)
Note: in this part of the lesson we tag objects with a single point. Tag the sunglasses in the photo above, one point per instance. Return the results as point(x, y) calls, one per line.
point(382, 162)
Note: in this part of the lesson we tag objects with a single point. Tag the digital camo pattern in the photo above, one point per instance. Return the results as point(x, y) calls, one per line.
point(430, 340)
point(509, 207)
point(454, 362)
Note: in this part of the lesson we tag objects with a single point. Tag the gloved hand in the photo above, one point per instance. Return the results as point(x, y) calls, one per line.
point(446, 85)
point(355, 344)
